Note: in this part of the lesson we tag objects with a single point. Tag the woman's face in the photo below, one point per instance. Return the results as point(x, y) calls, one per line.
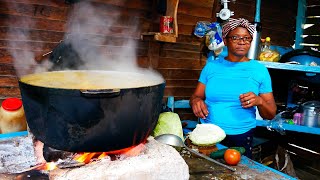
point(238, 41)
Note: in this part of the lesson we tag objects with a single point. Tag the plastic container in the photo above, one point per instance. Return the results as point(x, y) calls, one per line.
point(12, 117)
point(297, 118)
point(266, 54)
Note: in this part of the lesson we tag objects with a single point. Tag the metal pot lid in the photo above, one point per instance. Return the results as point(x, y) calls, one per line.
point(311, 104)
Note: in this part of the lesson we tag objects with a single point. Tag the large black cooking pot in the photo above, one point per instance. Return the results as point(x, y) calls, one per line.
point(88, 114)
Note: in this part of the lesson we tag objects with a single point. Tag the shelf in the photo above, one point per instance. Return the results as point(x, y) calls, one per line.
point(289, 127)
point(13, 134)
point(159, 37)
point(172, 8)
point(293, 67)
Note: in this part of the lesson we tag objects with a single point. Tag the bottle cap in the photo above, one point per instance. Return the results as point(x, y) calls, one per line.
point(11, 104)
point(268, 39)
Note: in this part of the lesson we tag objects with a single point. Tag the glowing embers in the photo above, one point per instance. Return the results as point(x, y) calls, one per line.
point(83, 158)
point(88, 157)
point(45, 166)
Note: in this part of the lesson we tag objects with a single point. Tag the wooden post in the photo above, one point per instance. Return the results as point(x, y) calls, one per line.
point(172, 8)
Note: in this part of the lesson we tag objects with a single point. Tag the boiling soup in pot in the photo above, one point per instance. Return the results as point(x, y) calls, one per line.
point(92, 79)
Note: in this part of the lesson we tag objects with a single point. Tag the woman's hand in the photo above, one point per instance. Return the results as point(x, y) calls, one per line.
point(199, 108)
point(250, 99)
point(265, 103)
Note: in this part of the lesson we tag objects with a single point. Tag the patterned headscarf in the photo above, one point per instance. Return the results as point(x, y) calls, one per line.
point(234, 23)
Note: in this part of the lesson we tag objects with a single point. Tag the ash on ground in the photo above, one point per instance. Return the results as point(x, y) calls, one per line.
point(16, 154)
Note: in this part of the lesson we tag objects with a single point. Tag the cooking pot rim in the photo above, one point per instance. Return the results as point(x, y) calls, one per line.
point(96, 71)
point(157, 79)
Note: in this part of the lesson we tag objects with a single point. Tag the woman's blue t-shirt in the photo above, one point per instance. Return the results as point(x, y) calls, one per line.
point(225, 81)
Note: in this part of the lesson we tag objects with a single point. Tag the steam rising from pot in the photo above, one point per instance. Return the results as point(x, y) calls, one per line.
point(23, 59)
point(88, 44)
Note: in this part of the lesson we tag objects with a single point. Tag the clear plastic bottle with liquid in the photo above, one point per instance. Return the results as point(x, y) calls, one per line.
point(266, 54)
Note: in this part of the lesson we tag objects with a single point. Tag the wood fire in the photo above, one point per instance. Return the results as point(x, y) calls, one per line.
point(150, 160)
point(87, 157)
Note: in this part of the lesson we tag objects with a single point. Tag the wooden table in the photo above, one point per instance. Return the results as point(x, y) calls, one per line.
point(200, 168)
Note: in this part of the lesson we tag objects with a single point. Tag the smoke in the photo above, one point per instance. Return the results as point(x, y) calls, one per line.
point(23, 58)
point(91, 42)
point(85, 24)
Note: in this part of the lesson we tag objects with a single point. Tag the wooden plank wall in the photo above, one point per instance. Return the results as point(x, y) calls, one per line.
point(37, 26)
point(181, 62)
point(312, 17)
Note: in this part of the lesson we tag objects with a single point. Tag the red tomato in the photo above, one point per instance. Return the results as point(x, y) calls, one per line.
point(232, 156)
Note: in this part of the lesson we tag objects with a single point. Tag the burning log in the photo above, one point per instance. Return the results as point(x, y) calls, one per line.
point(51, 155)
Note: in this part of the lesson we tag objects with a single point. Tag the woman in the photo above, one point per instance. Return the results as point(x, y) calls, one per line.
point(230, 89)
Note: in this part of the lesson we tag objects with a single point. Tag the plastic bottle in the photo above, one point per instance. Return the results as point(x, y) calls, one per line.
point(266, 54)
point(297, 118)
point(12, 117)
point(266, 44)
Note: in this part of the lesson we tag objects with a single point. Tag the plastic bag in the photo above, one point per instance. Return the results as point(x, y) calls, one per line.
point(213, 35)
point(216, 43)
point(276, 124)
point(202, 27)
